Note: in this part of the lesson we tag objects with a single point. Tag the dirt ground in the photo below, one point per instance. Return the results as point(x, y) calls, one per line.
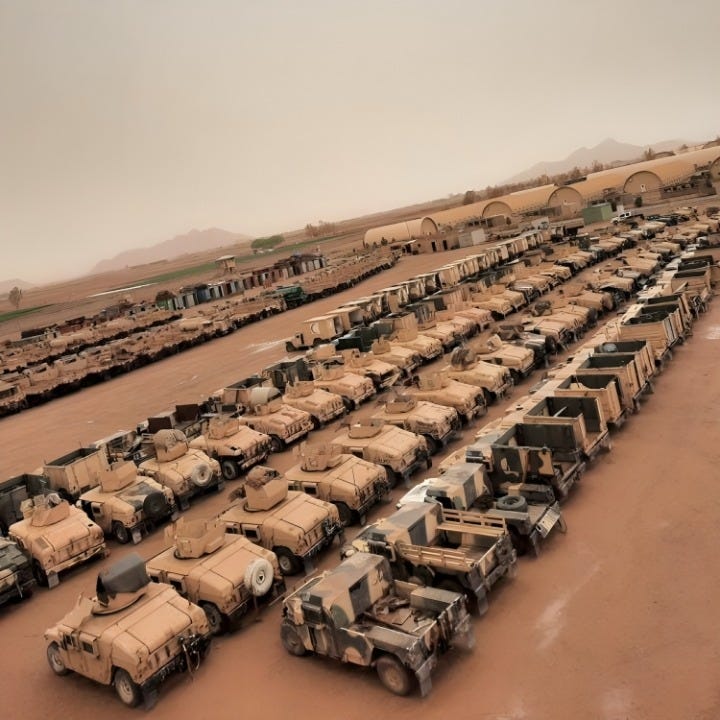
point(613, 621)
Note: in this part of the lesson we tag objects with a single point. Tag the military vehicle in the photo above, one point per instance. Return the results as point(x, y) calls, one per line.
point(438, 424)
point(16, 490)
point(75, 473)
point(295, 526)
point(263, 410)
point(518, 360)
point(184, 470)
point(316, 330)
point(467, 400)
point(235, 446)
point(383, 374)
point(56, 536)
point(403, 358)
point(16, 576)
point(352, 387)
point(402, 329)
point(465, 486)
point(495, 380)
point(132, 635)
point(448, 333)
point(357, 613)
point(225, 574)
point(448, 549)
point(350, 483)
point(126, 504)
point(400, 452)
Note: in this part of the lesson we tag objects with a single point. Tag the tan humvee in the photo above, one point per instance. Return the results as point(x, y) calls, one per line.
point(400, 452)
point(350, 483)
point(468, 400)
point(352, 387)
point(383, 374)
point(438, 424)
point(186, 471)
point(126, 504)
point(235, 446)
point(57, 536)
point(295, 526)
point(495, 380)
point(132, 635)
point(323, 406)
point(225, 574)
point(403, 358)
point(405, 334)
point(12, 397)
point(517, 359)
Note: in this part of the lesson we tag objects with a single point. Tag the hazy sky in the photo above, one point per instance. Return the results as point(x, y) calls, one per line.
point(125, 122)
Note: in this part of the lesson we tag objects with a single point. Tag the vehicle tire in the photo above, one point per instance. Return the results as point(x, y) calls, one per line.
point(514, 503)
point(259, 577)
point(349, 404)
point(421, 576)
point(201, 475)
point(289, 562)
point(39, 574)
point(432, 444)
point(215, 618)
point(394, 675)
point(120, 533)
point(276, 444)
point(451, 585)
point(229, 469)
point(292, 641)
point(516, 376)
point(126, 688)
point(156, 506)
point(346, 514)
point(57, 664)
point(520, 542)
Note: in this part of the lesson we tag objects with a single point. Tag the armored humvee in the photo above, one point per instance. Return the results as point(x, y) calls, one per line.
point(350, 483)
point(14, 491)
point(132, 635)
point(448, 549)
point(295, 526)
point(354, 388)
point(357, 613)
point(186, 471)
point(16, 577)
point(467, 400)
point(400, 452)
point(126, 504)
point(520, 361)
point(495, 380)
point(383, 374)
point(402, 329)
point(403, 358)
point(225, 574)
point(438, 424)
point(323, 406)
point(57, 536)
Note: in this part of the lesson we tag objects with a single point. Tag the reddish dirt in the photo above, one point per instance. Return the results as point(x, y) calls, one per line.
point(614, 620)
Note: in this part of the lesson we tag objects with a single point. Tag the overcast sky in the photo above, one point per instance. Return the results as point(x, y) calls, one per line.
point(126, 122)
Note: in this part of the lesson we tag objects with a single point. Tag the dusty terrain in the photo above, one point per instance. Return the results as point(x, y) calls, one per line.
point(614, 620)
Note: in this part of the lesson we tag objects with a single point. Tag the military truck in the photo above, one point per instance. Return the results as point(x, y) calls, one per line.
point(400, 452)
point(467, 400)
point(225, 574)
point(263, 410)
point(184, 470)
point(438, 424)
point(383, 374)
point(16, 576)
point(76, 472)
point(518, 360)
point(56, 536)
point(295, 526)
point(235, 446)
point(315, 331)
point(126, 505)
point(17, 489)
point(350, 483)
point(353, 388)
point(465, 486)
point(495, 380)
point(357, 613)
point(448, 549)
point(403, 358)
point(402, 329)
point(132, 635)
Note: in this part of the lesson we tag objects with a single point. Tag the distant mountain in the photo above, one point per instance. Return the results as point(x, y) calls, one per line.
point(7, 285)
point(607, 152)
point(192, 242)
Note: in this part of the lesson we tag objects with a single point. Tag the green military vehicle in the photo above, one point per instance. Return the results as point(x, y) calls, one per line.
point(358, 614)
point(16, 577)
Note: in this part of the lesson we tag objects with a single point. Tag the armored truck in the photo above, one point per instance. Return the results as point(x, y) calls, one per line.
point(56, 536)
point(495, 380)
point(350, 483)
point(357, 613)
point(132, 635)
point(323, 406)
point(520, 361)
point(16, 577)
point(467, 400)
point(383, 374)
point(295, 526)
point(225, 574)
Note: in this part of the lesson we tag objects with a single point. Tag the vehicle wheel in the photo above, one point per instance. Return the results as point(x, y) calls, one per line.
point(432, 444)
point(516, 376)
point(514, 503)
point(292, 641)
point(126, 688)
point(288, 562)
point(276, 444)
point(520, 542)
point(346, 514)
point(120, 533)
point(451, 585)
point(201, 475)
point(259, 577)
point(57, 665)
point(215, 619)
point(229, 469)
point(349, 404)
point(156, 506)
point(421, 576)
point(392, 476)
point(39, 574)
point(394, 675)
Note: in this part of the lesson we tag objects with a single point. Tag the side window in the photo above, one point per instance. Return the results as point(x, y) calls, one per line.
point(70, 642)
point(310, 489)
point(178, 585)
point(251, 532)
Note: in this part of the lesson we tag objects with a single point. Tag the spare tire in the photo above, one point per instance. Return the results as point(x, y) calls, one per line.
point(259, 576)
point(515, 503)
point(155, 505)
point(201, 475)
point(609, 347)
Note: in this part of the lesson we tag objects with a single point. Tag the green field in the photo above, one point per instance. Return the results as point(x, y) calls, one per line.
point(14, 314)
